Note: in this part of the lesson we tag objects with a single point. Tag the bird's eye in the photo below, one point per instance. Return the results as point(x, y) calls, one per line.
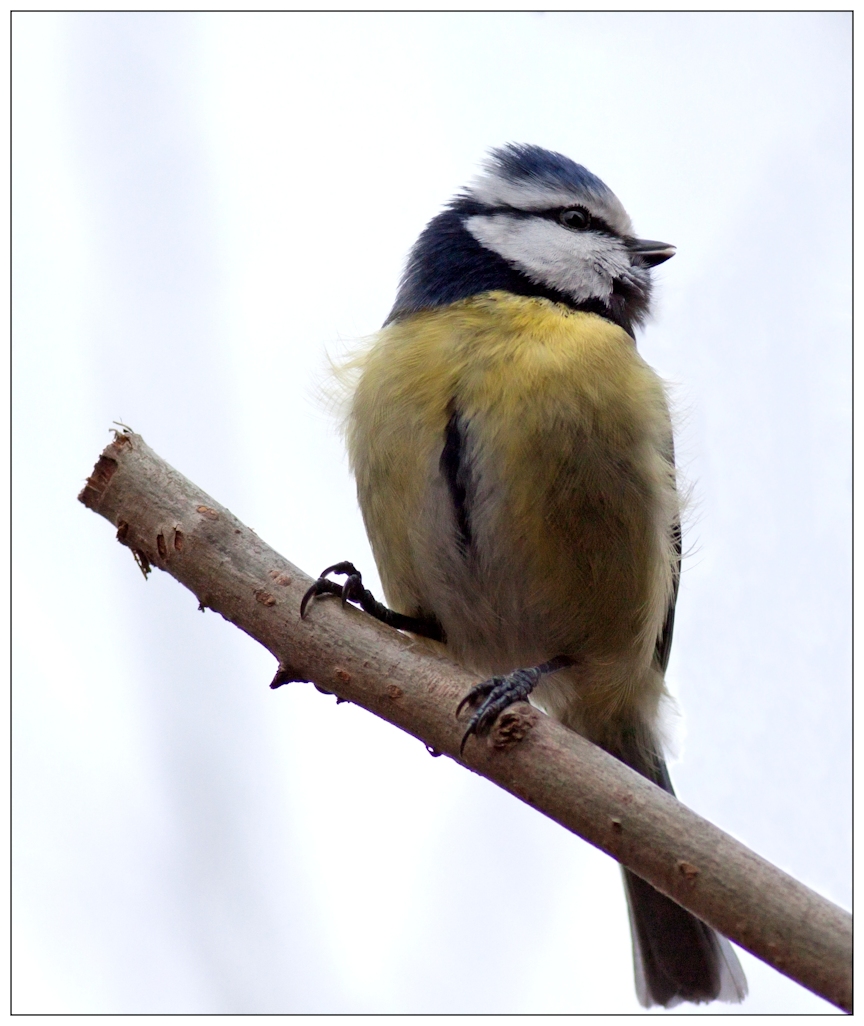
point(576, 219)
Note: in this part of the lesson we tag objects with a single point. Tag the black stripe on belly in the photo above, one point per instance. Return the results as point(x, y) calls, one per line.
point(457, 474)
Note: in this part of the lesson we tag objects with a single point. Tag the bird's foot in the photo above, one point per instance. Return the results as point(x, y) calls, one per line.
point(351, 590)
point(495, 694)
point(426, 625)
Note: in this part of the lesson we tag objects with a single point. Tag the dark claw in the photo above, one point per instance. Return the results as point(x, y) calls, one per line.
point(341, 568)
point(497, 693)
point(424, 624)
point(478, 691)
point(320, 587)
point(351, 589)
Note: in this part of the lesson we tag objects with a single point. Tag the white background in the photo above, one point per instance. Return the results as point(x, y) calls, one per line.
point(206, 204)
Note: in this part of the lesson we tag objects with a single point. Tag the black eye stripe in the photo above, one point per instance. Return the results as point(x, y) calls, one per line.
point(468, 207)
point(595, 224)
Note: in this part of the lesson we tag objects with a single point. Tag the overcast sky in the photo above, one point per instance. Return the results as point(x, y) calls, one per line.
point(205, 205)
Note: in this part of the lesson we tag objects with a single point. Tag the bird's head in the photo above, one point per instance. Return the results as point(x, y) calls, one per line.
point(534, 223)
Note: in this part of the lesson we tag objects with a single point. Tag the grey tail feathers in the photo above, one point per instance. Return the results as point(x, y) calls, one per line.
point(676, 957)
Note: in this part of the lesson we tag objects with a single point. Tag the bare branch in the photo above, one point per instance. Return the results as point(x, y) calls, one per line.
point(171, 524)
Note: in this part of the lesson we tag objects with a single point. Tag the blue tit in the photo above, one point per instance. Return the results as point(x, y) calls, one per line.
point(514, 463)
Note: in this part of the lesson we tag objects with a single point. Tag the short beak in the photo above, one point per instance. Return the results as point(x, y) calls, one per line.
point(649, 252)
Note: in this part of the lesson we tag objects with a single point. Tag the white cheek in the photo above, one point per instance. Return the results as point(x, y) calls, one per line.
point(581, 264)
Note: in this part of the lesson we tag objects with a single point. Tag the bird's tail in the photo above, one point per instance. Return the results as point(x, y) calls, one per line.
point(676, 957)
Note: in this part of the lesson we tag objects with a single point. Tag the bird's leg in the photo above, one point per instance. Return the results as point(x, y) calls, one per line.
point(352, 590)
point(499, 692)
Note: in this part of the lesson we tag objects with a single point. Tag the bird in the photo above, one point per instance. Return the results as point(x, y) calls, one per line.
point(515, 469)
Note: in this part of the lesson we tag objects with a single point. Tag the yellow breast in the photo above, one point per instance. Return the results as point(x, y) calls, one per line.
point(568, 446)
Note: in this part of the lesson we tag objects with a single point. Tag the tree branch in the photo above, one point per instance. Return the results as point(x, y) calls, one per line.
point(171, 524)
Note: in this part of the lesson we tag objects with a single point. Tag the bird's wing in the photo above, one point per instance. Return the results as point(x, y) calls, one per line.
point(664, 639)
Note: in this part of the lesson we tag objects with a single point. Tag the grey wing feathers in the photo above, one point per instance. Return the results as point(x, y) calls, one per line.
point(664, 639)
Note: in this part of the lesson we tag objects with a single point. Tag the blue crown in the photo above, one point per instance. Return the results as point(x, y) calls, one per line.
point(521, 162)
